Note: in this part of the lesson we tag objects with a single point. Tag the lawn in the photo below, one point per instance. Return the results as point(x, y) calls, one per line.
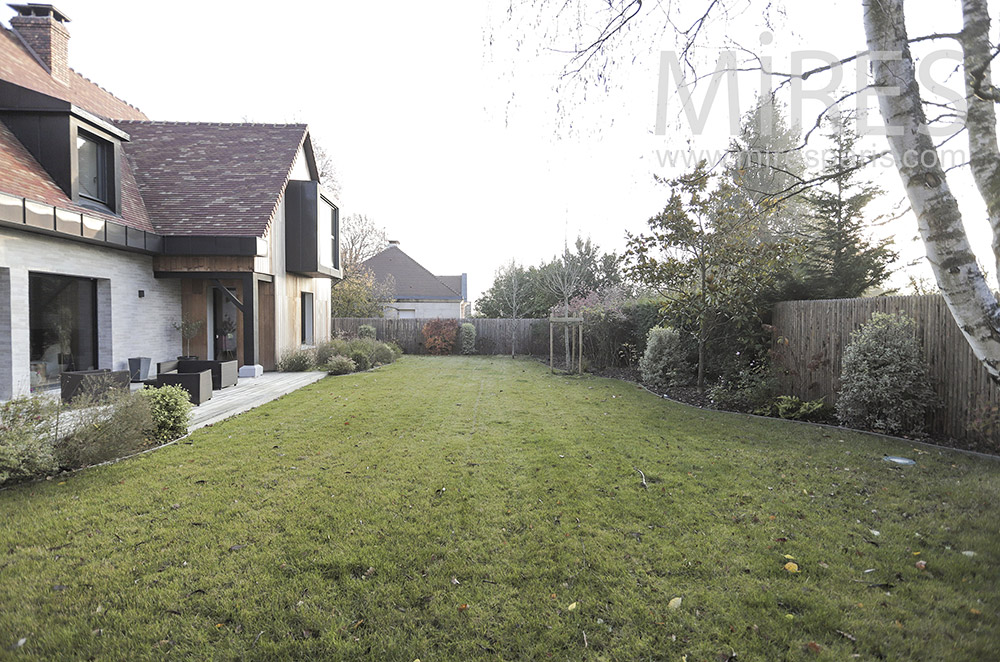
point(480, 508)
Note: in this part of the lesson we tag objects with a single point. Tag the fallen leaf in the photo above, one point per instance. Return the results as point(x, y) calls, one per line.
point(236, 548)
point(463, 607)
point(791, 567)
point(571, 607)
point(920, 565)
point(823, 565)
point(789, 556)
point(674, 603)
point(975, 612)
point(814, 647)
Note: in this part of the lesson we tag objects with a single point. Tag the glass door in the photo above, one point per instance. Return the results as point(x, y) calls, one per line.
point(224, 325)
point(62, 322)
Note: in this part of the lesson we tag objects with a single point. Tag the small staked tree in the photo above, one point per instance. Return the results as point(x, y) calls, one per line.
point(562, 278)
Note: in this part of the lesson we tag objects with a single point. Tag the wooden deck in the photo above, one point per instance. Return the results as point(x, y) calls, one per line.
point(249, 393)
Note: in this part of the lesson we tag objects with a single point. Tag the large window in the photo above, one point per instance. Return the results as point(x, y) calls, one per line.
point(95, 169)
point(62, 313)
point(307, 318)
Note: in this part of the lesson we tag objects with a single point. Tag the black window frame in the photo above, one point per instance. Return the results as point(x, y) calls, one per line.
point(107, 181)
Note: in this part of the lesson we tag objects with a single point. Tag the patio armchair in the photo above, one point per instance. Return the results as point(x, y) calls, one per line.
point(197, 384)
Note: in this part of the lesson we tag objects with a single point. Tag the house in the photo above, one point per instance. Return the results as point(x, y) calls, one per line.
point(114, 228)
point(419, 293)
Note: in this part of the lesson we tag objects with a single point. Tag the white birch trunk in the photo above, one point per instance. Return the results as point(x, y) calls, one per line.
point(962, 283)
point(981, 118)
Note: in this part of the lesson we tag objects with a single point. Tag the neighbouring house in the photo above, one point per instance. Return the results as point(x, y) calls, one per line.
point(114, 228)
point(419, 293)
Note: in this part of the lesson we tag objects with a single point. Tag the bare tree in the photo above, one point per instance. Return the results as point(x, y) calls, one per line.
point(511, 291)
point(328, 175)
point(562, 278)
point(903, 109)
point(360, 239)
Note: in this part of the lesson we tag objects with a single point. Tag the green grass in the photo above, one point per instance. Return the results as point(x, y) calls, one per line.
point(335, 522)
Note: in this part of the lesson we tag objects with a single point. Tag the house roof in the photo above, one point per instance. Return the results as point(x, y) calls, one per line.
point(212, 179)
point(412, 280)
point(19, 66)
point(24, 177)
point(453, 283)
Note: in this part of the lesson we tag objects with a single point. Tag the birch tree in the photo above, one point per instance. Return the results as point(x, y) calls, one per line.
point(970, 299)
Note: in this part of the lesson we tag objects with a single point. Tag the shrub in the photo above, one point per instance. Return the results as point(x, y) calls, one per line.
point(884, 383)
point(382, 354)
point(327, 350)
point(439, 336)
point(300, 360)
point(339, 365)
point(366, 331)
point(26, 438)
point(792, 408)
point(750, 390)
point(664, 362)
point(170, 410)
point(103, 427)
point(397, 351)
point(467, 338)
point(360, 360)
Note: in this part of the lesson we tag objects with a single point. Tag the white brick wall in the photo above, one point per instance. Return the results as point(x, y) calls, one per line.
point(127, 325)
point(426, 309)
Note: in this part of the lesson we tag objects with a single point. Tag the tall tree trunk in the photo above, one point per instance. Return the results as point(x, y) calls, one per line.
point(962, 283)
point(701, 355)
point(566, 332)
point(981, 117)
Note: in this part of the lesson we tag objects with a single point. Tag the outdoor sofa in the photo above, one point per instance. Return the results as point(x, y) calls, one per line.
point(224, 373)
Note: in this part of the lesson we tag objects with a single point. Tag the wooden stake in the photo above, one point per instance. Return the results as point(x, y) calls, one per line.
point(551, 349)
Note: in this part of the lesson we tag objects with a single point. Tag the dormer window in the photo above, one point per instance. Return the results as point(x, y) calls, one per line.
point(95, 168)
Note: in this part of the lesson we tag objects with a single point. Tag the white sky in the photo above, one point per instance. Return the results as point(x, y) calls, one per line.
point(454, 147)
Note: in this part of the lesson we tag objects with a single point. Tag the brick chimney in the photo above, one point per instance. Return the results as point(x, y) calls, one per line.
point(43, 30)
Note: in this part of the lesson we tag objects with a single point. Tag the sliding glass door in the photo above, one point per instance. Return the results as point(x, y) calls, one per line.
point(62, 312)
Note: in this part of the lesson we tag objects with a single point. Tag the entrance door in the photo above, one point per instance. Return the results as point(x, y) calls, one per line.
point(224, 325)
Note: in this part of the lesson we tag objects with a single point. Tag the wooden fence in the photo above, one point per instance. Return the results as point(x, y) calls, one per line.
point(493, 336)
point(817, 332)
